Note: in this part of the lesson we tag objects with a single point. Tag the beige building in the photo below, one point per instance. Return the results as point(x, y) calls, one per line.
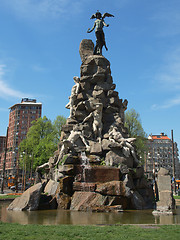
point(160, 155)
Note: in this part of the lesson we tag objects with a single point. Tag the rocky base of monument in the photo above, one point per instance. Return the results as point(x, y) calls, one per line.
point(96, 165)
point(107, 189)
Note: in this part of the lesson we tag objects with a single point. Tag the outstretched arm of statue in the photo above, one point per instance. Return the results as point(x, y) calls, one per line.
point(42, 166)
point(88, 117)
point(106, 25)
point(90, 30)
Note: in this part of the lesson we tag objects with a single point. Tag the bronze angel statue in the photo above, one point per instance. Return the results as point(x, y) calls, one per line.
point(98, 26)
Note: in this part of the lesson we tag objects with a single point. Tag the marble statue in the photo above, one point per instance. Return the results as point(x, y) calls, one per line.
point(74, 93)
point(97, 121)
point(125, 143)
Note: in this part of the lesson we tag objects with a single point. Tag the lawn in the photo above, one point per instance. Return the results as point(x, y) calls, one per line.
point(9, 196)
point(65, 232)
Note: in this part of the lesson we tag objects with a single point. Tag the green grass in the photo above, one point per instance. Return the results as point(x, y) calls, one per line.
point(64, 232)
point(8, 196)
point(176, 197)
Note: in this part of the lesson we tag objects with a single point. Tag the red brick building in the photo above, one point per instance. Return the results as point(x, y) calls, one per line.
point(2, 148)
point(20, 120)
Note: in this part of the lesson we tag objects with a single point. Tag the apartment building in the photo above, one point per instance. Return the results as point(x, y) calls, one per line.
point(160, 155)
point(20, 120)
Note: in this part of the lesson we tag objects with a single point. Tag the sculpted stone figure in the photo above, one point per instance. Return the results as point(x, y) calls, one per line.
point(98, 26)
point(123, 109)
point(70, 142)
point(97, 121)
point(125, 143)
point(74, 93)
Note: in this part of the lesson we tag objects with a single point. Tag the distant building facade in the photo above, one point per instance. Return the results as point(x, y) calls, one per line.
point(160, 155)
point(2, 148)
point(20, 120)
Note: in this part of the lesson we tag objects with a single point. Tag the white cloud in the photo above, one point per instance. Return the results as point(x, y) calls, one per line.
point(35, 9)
point(5, 90)
point(169, 74)
point(167, 104)
point(168, 81)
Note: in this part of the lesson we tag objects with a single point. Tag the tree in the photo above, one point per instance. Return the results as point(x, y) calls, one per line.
point(58, 123)
point(135, 129)
point(40, 143)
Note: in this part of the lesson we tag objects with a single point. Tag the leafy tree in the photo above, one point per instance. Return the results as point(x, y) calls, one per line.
point(135, 129)
point(40, 143)
point(58, 123)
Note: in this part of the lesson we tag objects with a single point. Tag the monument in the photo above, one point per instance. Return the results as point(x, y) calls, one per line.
point(96, 165)
point(166, 203)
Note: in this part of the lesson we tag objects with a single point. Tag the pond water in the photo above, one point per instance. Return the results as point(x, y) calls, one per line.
point(56, 217)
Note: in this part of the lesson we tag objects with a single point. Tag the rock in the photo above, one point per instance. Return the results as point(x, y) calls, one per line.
point(51, 187)
point(139, 172)
point(63, 201)
point(86, 48)
point(83, 186)
point(164, 183)
point(66, 185)
point(137, 201)
point(85, 201)
point(47, 202)
point(166, 201)
point(105, 144)
point(124, 169)
point(29, 200)
point(163, 172)
point(115, 188)
point(66, 169)
point(95, 148)
point(128, 184)
point(141, 183)
point(101, 174)
point(116, 158)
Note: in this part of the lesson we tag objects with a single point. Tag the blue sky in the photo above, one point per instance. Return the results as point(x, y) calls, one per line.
point(39, 55)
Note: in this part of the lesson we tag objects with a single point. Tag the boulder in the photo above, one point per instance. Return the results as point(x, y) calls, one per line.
point(85, 201)
point(114, 188)
point(83, 186)
point(86, 48)
point(66, 185)
point(116, 158)
point(95, 148)
point(63, 201)
point(137, 201)
point(51, 187)
point(29, 200)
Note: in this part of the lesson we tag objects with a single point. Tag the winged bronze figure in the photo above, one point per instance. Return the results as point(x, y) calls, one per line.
point(98, 26)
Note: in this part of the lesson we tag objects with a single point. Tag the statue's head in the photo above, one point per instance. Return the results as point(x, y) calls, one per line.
point(76, 79)
point(98, 15)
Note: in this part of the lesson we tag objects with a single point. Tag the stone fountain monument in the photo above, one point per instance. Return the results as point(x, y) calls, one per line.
point(96, 165)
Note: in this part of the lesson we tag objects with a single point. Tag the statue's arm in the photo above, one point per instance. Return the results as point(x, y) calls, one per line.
point(106, 25)
point(77, 89)
point(90, 30)
point(88, 117)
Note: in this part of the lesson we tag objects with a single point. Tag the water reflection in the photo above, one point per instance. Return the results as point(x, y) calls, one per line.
point(56, 217)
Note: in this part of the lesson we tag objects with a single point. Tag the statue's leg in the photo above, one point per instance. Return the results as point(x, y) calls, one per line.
point(103, 40)
point(98, 43)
